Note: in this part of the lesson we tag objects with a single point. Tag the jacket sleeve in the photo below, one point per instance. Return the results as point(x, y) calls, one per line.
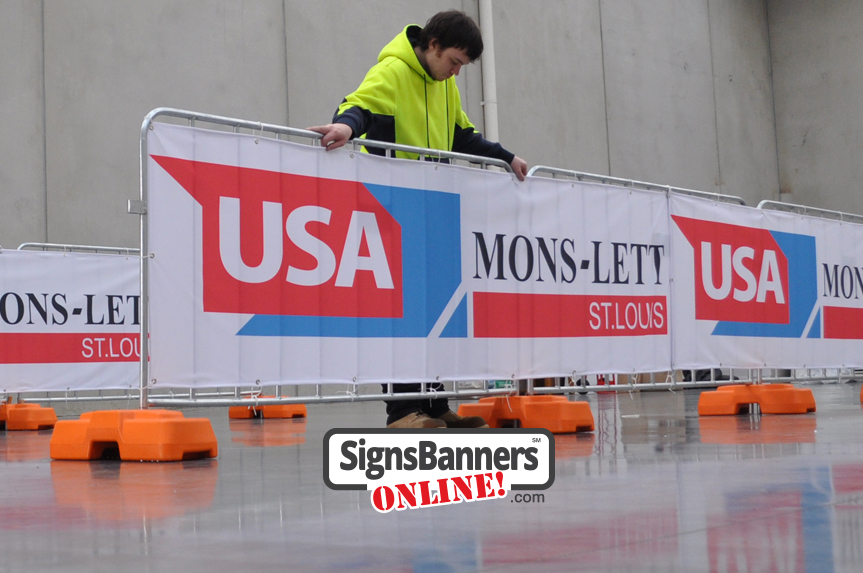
point(376, 95)
point(467, 140)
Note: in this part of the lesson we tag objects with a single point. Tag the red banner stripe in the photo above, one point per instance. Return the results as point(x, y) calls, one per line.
point(843, 323)
point(507, 315)
point(62, 348)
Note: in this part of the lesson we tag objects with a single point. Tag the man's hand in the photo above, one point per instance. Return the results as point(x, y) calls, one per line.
point(519, 166)
point(335, 135)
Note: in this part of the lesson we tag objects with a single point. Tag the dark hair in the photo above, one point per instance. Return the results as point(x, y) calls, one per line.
point(453, 29)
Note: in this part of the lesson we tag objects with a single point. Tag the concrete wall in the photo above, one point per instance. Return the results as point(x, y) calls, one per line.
point(109, 63)
point(816, 47)
point(670, 91)
point(22, 127)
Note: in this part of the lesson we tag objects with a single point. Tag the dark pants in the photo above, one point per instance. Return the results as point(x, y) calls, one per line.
point(398, 409)
point(703, 375)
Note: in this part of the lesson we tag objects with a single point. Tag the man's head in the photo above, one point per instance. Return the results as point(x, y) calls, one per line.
point(449, 41)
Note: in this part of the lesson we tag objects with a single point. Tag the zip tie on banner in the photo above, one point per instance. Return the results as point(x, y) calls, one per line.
point(254, 393)
point(432, 390)
point(509, 385)
point(670, 379)
point(352, 393)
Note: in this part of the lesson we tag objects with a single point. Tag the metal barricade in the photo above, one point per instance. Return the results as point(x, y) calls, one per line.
point(316, 392)
point(239, 396)
point(77, 395)
point(576, 383)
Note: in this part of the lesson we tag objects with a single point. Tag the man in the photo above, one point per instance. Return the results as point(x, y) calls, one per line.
point(410, 97)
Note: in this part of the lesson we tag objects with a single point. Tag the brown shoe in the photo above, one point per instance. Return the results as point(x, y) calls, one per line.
point(453, 420)
point(418, 420)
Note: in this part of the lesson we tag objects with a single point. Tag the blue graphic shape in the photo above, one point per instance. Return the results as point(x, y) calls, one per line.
point(457, 325)
point(799, 250)
point(815, 330)
point(431, 272)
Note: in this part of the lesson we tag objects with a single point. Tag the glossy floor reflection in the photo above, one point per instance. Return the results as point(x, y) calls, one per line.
point(654, 488)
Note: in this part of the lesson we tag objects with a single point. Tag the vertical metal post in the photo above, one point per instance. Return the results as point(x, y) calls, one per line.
point(144, 367)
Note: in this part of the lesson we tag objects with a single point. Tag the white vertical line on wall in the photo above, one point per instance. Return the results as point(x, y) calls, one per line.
point(489, 78)
point(44, 127)
point(287, 85)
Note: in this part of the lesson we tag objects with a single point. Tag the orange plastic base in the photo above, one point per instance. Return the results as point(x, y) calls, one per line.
point(269, 411)
point(144, 435)
point(773, 399)
point(554, 413)
point(27, 417)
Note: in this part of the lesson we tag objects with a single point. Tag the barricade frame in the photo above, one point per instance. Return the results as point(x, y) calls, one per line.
point(187, 397)
point(139, 207)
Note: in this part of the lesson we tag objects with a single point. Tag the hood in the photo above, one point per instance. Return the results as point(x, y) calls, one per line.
point(400, 47)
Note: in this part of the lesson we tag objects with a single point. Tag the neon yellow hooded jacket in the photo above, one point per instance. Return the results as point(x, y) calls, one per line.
point(399, 102)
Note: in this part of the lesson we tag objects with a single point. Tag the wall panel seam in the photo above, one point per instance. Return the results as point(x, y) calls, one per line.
point(287, 84)
point(604, 89)
point(778, 194)
point(715, 111)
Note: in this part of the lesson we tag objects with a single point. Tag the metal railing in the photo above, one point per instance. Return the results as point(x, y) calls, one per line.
point(632, 183)
point(61, 247)
point(810, 211)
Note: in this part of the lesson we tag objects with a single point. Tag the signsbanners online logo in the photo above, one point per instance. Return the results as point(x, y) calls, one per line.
point(283, 244)
point(408, 469)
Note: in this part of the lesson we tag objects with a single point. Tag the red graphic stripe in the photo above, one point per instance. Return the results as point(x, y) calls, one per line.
point(843, 323)
point(508, 315)
point(62, 348)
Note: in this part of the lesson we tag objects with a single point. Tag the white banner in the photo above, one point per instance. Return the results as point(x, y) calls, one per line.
point(755, 289)
point(278, 262)
point(68, 321)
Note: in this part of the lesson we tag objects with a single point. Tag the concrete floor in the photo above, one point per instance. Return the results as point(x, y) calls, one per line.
point(654, 488)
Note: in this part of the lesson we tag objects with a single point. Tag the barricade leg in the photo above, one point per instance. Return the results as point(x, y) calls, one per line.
point(277, 411)
point(772, 398)
point(143, 435)
point(27, 417)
